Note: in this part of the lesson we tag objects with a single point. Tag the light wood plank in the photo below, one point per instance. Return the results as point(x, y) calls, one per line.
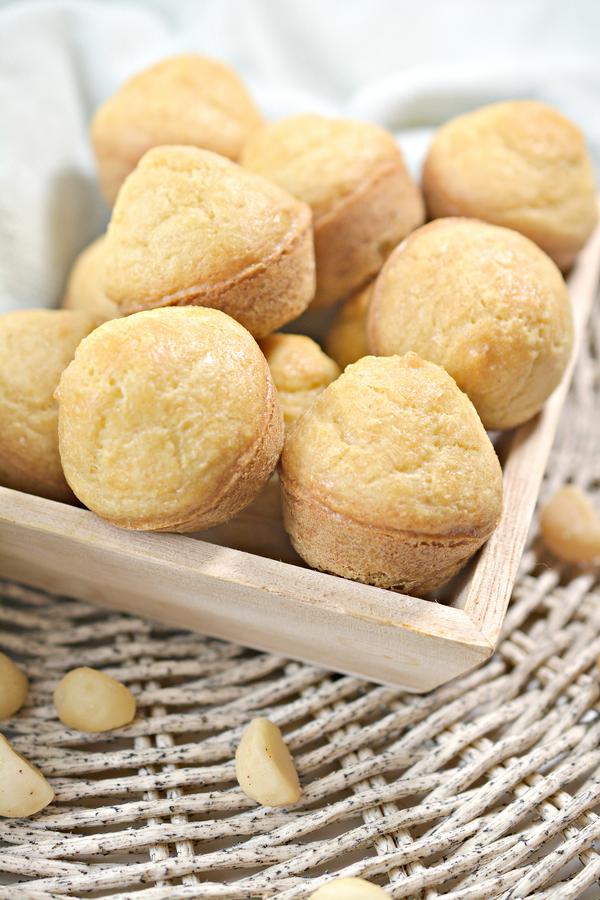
point(323, 619)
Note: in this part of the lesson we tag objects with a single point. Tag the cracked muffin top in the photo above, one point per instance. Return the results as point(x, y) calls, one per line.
point(163, 416)
point(191, 227)
point(394, 444)
point(321, 160)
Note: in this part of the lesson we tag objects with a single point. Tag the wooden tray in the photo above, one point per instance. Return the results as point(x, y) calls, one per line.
point(242, 581)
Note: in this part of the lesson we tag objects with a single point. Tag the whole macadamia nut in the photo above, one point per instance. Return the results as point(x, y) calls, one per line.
point(349, 889)
point(92, 701)
point(570, 526)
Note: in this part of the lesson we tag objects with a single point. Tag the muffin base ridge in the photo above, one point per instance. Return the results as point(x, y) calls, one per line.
point(262, 297)
point(353, 240)
point(387, 558)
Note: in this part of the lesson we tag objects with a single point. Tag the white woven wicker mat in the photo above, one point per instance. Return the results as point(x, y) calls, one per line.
point(486, 788)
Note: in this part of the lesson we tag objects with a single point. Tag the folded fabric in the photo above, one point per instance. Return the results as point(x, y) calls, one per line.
point(406, 68)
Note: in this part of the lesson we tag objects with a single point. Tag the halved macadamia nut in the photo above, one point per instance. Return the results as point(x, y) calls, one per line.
point(264, 766)
point(23, 789)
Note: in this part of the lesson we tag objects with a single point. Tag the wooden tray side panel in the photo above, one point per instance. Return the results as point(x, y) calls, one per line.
point(225, 593)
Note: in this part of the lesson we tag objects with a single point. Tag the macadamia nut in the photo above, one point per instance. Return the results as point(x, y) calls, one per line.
point(349, 889)
point(92, 701)
point(23, 789)
point(13, 687)
point(570, 526)
point(264, 767)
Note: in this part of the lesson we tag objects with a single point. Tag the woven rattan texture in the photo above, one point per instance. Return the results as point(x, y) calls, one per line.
point(485, 788)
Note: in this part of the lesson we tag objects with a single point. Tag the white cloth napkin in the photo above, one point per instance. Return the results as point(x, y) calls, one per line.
point(406, 65)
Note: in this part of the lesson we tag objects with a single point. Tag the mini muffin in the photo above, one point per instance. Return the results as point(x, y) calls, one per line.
point(353, 175)
point(390, 478)
point(483, 302)
point(520, 164)
point(168, 420)
point(35, 346)
point(186, 99)
point(85, 287)
point(300, 371)
point(346, 340)
point(193, 228)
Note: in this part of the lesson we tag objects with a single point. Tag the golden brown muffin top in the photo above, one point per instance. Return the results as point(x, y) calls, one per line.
point(35, 346)
point(185, 99)
point(300, 371)
point(159, 406)
point(186, 218)
point(85, 287)
point(484, 302)
point(519, 161)
point(346, 340)
point(319, 159)
point(395, 444)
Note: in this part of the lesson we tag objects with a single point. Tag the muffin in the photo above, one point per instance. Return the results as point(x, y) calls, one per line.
point(192, 228)
point(300, 371)
point(35, 347)
point(85, 287)
point(346, 340)
point(390, 478)
point(483, 302)
point(186, 99)
point(353, 176)
point(168, 420)
point(520, 164)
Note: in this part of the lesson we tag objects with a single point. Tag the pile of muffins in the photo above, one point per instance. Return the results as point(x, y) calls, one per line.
point(163, 395)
